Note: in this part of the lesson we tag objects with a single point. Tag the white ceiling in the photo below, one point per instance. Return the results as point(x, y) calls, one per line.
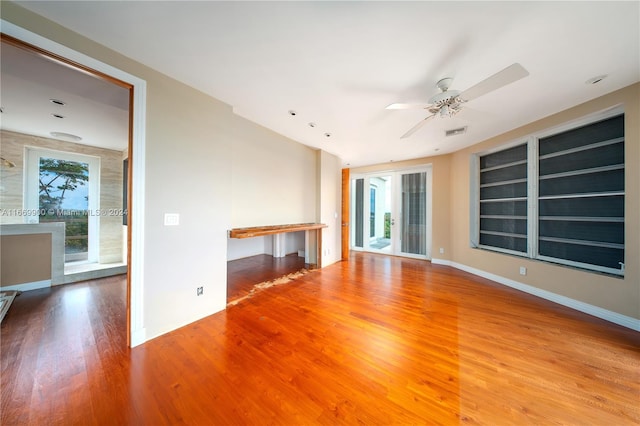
point(95, 110)
point(339, 64)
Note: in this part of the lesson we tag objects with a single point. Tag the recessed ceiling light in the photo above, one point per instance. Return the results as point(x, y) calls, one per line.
point(292, 112)
point(312, 124)
point(57, 102)
point(328, 135)
point(596, 79)
point(66, 136)
point(57, 115)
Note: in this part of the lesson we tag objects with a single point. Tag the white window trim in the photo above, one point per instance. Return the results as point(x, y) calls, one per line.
point(475, 196)
point(532, 190)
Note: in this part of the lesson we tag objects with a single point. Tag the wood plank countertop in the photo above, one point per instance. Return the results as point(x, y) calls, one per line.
point(258, 231)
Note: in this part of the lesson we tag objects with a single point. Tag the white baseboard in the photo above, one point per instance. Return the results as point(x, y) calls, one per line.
point(596, 311)
point(28, 286)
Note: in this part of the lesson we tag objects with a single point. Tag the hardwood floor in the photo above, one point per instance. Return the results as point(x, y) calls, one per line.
point(244, 274)
point(375, 340)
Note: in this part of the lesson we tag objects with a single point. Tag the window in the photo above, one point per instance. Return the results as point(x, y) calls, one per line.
point(503, 199)
point(63, 187)
point(557, 196)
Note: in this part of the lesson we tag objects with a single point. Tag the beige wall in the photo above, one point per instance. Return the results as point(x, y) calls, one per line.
point(12, 191)
point(329, 203)
point(212, 167)
point(273, 179)
point(24, 259)
point(615, 294)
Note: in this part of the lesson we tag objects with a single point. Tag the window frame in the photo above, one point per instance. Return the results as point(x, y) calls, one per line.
point(31, 190)
point(532, 142)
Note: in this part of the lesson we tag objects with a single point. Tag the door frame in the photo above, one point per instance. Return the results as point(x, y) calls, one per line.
point(396, 209)
point(346, 199)
point(428, 169)
point(367, 210)
point(137, 137)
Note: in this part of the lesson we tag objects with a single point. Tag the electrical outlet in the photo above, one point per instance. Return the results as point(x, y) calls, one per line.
point(199, 291)
point(441, 250)
point(523, 270)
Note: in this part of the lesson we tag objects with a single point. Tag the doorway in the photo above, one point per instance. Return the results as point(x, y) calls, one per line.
point(391, 212)
point(136, 146)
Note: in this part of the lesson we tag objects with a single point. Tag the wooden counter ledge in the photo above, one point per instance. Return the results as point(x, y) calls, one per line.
point(258, 231)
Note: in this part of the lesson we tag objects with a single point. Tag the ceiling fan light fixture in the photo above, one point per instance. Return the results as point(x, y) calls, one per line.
point(444, 97)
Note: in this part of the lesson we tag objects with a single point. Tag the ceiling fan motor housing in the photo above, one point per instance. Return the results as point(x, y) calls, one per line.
point(444, 97)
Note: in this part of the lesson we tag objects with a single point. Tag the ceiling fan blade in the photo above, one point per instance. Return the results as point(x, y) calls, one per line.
point(408, 106)
point(508, 75)
point(417, 127)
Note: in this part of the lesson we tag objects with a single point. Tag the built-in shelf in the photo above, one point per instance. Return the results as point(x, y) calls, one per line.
point(312, 238)
point(259, 231)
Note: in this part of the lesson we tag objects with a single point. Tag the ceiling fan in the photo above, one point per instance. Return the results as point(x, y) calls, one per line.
point(448, 103)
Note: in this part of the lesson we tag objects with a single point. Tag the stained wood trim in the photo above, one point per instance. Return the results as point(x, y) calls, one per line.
point(62, 60)
point(258, 231)
point(346, 213)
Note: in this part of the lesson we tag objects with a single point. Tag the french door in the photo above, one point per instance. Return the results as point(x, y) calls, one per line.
point(391, 213)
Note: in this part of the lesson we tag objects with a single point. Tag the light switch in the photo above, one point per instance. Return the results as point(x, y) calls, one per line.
point(171, 219)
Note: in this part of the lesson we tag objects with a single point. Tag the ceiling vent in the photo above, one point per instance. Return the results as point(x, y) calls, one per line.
point(454, 132)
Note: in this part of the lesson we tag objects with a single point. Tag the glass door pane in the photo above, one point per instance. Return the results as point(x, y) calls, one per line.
point(414, 213)
point(358, 213)
point(380, 219)
point(371, 204)
point(64, 197)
